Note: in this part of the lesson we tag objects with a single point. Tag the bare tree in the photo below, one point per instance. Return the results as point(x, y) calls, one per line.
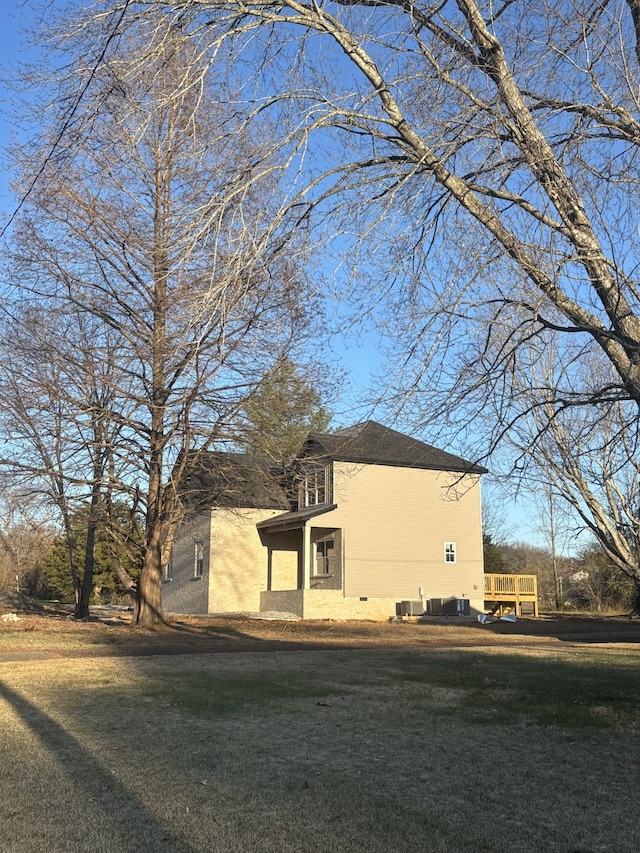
point(477, 165)
point(153, 227)
point(503, 137)
point(55, 397)
point(598, 583)
point(580, 458)
point(24, 538)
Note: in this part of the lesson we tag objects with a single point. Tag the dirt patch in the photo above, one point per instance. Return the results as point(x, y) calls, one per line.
point(55, 633)
point(16, 601)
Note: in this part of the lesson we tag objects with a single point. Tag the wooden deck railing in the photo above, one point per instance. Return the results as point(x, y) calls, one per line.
point(512, 589)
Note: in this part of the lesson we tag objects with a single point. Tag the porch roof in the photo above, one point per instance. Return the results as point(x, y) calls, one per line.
point(293, 520)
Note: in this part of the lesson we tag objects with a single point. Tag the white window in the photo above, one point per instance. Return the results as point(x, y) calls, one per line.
point(167, 571)
point(450, 552)
point(324, 556)
point(198, 565)
point(315, 487)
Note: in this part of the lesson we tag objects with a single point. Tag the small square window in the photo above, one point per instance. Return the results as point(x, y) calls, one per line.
point(450, 552)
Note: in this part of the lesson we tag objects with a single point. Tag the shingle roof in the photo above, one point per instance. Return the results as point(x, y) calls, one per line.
point(375, 444)
point(217, 479)
point(232, 480)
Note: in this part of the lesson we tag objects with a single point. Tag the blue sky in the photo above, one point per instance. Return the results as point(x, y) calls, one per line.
point(14, 17)
point(9, 51)
point(358, 355)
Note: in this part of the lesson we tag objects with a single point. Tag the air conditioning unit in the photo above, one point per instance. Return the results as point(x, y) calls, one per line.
point(411, 608)
point(449, 607)
point(455, 607)
point(464, 607)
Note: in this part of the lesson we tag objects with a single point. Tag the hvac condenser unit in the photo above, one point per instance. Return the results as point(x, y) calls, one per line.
point(450, 607)
point(411, 608)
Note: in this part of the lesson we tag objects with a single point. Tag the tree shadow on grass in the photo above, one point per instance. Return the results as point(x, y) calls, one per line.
point(572, 629)
point(96, 784)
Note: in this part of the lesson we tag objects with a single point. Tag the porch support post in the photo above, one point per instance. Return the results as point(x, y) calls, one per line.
point(306, 556)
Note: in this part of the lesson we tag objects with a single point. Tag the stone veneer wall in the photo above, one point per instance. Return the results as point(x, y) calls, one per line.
point(327, 604)
point(330, 604)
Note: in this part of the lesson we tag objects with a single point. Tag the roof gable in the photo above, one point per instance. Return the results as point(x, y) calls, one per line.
point(374, 444)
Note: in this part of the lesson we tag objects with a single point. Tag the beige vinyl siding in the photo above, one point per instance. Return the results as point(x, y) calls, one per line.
point(397, 521)
point(238, 560)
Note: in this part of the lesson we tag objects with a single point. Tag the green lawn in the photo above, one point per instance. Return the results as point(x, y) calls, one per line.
point(357, 750)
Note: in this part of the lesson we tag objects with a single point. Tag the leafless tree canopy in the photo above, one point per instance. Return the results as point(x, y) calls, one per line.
point(474, 166)
point(151, 230)
point(497, 144)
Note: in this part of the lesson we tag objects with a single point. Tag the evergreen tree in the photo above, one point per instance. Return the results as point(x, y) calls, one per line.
point(56, 565)
point(284, 409)
point(493, 561)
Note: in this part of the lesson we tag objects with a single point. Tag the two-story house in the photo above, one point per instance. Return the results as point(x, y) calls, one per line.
point(374, 518)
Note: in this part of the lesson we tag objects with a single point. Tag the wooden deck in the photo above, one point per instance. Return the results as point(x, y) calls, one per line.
point(507, 593)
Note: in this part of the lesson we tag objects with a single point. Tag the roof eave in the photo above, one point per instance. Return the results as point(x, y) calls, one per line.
point(472, 468)
point(293, 520)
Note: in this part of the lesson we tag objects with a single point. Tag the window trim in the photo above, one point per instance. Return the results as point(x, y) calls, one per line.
point(315, 487)
point(167, 570)
point(198, 558)
point(450, 550)
point(321, 557)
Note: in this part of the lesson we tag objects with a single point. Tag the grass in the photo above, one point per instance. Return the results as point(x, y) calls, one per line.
point(572, 691)
point(341, 750)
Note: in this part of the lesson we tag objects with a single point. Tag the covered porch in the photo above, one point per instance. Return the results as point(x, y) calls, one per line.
point(305, 570)
point(302, 553)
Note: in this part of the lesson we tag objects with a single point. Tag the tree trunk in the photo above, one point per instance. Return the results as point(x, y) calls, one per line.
point(148, 611)
point(73, 563)
point(149, 594)
point(82, 602)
